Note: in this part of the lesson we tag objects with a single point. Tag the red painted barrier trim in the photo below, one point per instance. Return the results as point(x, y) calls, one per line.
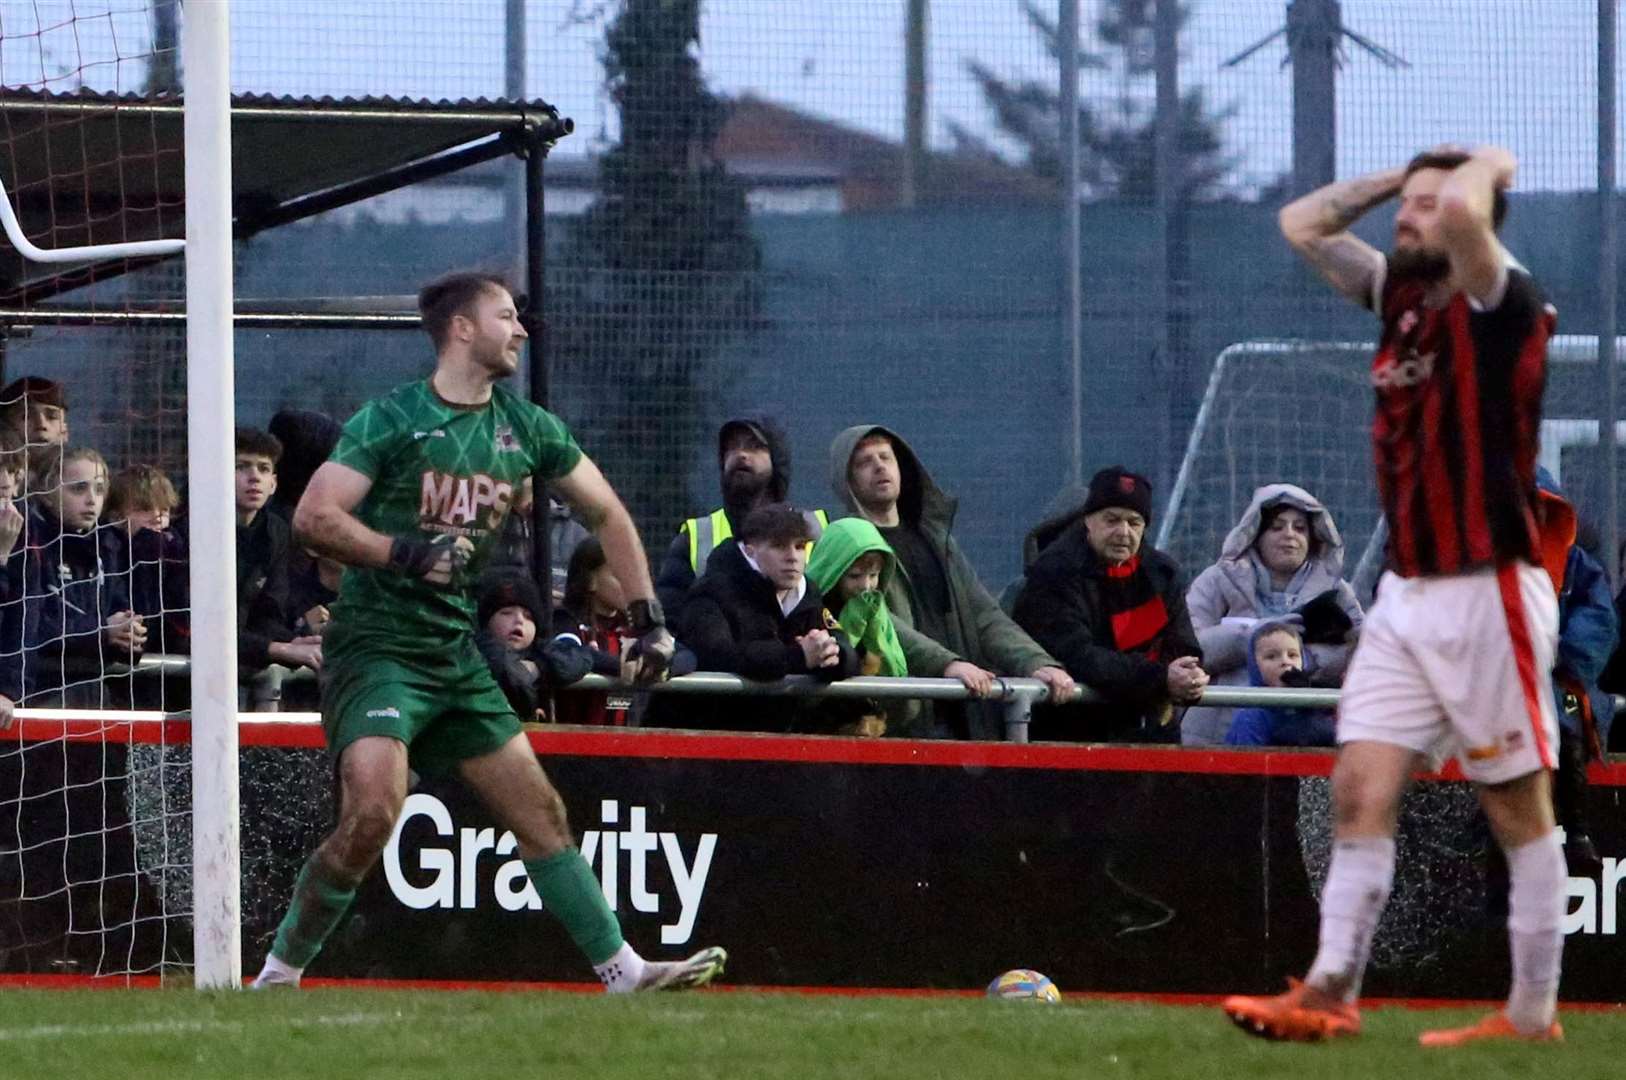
point(683, 745)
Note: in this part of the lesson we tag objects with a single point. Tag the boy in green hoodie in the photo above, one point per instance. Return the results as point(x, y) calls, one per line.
point(851, 565)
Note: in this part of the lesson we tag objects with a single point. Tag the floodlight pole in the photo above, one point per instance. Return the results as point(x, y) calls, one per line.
point(216, 914)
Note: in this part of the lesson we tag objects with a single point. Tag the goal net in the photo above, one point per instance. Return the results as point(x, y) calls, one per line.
point(94, 786)
point(1300, 412)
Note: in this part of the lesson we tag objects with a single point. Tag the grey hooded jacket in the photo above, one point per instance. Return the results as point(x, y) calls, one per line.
point(979, 630)
point(1228, 590)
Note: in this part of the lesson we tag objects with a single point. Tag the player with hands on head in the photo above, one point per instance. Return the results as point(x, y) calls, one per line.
point(1457, 648)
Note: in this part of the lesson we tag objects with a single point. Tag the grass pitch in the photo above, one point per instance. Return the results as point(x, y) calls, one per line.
point(404, 1035)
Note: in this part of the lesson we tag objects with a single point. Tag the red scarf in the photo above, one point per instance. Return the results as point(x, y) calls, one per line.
point(1135, 608)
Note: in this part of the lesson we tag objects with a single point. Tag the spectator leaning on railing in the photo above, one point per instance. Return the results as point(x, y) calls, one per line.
point(852, 565)
point(753, 613)
point(141, 502)
point(878, 477)
point(1114, 611)
point(1276, 652)
point(70, 614)
point(1284, 556)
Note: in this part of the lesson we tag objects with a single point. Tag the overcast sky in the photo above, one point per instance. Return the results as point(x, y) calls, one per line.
point(1520, 72)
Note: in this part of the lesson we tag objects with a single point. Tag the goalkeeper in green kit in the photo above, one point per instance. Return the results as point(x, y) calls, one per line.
point(410, 501)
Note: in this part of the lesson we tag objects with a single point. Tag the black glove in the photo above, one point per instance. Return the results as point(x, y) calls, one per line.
point(1324, 620)
point(653, 649)
point(416, 557)
point(1297, 678)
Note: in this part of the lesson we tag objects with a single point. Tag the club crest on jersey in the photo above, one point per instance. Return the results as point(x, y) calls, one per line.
point(507, 443)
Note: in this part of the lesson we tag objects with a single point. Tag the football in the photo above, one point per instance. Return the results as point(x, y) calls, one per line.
point(1024, 984)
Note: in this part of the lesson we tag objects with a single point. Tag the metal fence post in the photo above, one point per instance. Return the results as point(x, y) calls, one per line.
point(1018, 715)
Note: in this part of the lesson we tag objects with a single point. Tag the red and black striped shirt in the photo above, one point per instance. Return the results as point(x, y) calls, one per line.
point(1457, 423)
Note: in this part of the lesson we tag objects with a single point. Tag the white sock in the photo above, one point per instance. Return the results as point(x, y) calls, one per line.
point(277, 971)
point(1535, 930)
point(621, 973)
point(1358, 884)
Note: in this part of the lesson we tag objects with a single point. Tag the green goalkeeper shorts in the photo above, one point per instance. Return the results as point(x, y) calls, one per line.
point(442, 703)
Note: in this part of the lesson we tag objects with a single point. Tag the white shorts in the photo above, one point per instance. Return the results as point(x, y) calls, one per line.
point(1460, 664)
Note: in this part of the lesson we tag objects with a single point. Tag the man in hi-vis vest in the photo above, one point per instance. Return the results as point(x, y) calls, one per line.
point(754, 469)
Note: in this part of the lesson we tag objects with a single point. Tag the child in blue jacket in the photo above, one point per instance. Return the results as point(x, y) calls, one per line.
point(1276, 658)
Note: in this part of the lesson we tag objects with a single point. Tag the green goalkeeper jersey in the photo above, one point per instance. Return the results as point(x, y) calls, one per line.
point(439, 468)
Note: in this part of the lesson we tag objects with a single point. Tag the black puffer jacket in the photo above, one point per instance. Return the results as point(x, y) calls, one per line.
point(733, 622)
point(1061, 606)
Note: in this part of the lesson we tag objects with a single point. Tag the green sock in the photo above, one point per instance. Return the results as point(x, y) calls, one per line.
point(569, 890)
point(319, 903)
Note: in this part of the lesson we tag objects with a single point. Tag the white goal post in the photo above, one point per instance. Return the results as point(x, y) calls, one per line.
point(211, 419)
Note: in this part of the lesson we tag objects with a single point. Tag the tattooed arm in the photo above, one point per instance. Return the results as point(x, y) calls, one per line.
point(1466, 200)
point(1317, 225)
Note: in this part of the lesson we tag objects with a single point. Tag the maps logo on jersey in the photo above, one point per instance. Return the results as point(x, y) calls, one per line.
point(464, 500)
point(507, 443)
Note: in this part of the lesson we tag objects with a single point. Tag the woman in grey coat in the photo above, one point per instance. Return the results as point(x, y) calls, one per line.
point(1284, 556)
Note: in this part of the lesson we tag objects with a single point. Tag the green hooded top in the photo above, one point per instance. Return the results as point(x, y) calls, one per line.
point(865, 617)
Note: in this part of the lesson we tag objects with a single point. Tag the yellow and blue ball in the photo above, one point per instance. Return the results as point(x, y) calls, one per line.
point(1024, 984)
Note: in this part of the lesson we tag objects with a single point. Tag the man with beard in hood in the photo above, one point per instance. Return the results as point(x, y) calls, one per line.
point(936, 591)
point(754, 469)
point(1462, 637)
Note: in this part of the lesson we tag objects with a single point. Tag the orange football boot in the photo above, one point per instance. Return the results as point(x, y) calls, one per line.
point(1491, 1028)
point(1303, 1014)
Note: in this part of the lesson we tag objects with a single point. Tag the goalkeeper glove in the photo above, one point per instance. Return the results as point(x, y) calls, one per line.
point(436, 560)
point(650, 655)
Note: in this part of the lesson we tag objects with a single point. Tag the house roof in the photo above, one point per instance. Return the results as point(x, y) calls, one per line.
point(763, 136)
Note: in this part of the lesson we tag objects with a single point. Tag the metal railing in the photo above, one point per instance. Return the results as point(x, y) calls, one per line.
point(1019, 695)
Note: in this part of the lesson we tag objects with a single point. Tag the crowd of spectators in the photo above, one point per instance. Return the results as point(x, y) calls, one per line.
point(93, 578)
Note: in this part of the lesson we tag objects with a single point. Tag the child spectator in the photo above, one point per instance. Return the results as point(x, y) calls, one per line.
point(264, 624)
point(1276, 658)
point(141, 502)
point(524, 668)
point(850, 567)
point(71, 614)
point(13, 465)
point(593, 615)
point(753, 613)
point(35, 411)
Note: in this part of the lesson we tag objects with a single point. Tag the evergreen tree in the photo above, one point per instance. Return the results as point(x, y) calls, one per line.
point(659, 274)
point(1118, 133)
